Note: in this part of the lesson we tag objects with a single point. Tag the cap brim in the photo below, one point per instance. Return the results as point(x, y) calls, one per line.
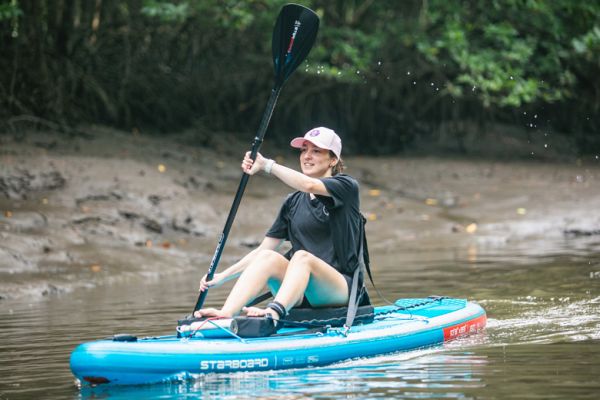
point(298, 142)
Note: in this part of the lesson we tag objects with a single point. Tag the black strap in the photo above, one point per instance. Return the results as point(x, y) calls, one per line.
point(367, 262)
point(260, 299)
point(365, 251)
point(278, 308)
point(354, 298)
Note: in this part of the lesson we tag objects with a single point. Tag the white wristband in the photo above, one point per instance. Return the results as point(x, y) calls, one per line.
point(269, 166)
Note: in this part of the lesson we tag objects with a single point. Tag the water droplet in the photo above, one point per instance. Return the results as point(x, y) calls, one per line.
point(546, 145)
point(535, 116)
point(378, 62)
point(357, 72)
point(511, 78)
point(431, 83)
point(473, 88)
point(407, 72)
point(414, 82)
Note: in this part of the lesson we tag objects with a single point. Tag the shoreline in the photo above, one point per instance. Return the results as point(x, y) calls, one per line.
point(85, 211)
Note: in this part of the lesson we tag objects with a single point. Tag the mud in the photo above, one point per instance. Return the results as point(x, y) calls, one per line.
point(88, 210)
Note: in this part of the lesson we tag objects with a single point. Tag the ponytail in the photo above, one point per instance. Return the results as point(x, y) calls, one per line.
point(339, 167)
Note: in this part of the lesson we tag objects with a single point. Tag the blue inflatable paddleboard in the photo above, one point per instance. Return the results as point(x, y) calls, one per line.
point(409, 324)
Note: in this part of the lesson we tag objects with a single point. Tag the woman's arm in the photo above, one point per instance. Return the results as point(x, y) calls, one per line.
point(294, 179)
point(298, 180)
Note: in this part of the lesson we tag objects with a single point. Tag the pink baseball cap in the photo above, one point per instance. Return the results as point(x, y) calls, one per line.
point(324, 138)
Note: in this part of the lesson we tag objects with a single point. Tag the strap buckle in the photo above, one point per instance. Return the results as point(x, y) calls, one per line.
point(345, 330)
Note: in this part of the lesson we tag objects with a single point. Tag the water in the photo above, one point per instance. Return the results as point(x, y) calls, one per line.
point(542, 340)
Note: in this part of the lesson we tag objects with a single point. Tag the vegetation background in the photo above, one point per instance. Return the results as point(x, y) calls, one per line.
point(387, 74)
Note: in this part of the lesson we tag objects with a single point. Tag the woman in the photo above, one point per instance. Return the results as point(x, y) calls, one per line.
point(322, 221)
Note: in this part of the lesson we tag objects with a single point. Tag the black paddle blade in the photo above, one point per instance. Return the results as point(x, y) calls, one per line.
point(293, 37)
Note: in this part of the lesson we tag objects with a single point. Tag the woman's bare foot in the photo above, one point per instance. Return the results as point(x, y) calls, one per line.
point(211, 312)
point(260, 312)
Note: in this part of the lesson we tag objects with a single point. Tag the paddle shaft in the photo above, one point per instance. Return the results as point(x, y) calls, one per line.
point(258, 139)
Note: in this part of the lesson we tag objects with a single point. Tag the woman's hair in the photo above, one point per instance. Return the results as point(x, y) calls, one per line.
point(339, 167)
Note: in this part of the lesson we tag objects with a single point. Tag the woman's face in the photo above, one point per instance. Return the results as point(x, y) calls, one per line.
point(315, 161)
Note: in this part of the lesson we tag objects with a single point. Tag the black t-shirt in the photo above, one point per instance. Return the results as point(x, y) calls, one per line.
point(315, 225)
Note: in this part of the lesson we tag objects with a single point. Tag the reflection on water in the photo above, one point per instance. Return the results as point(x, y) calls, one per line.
point(542, 339)
point(417, 374)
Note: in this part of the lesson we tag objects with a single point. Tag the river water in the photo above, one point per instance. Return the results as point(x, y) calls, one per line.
point(542, 340)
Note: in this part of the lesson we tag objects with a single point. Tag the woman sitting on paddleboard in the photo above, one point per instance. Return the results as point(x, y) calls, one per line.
point(322, 216)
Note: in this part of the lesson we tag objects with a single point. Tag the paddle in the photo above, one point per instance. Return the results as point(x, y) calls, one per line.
point(293, 36)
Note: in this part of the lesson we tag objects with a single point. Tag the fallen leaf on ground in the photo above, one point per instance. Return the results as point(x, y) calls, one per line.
point(471, 228)
point(96, 268)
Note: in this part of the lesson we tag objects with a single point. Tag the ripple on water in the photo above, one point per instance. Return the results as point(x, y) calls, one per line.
point(548, 321)
point(544, 321)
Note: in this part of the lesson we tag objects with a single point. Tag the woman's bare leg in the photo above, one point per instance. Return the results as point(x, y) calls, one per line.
point(308, 275)
point(268, 266)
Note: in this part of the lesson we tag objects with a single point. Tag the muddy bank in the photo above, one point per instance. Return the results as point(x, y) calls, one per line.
point(78, 211)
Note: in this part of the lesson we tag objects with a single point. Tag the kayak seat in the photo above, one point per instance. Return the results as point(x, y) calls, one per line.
point(311, 318)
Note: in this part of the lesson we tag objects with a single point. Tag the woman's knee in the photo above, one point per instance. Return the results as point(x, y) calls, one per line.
point(266, 256)
point(268, 261)
point(303, 260)
point(302, 256)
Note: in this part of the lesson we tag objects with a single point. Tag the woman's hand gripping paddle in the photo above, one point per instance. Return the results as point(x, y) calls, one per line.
point(293, 37)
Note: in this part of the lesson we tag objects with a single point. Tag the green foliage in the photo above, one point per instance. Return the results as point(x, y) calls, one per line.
point(588, 45)
point(166, 11)
point(505, 53)
point(231, 14)
point(383, 71)
point(10, 10)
